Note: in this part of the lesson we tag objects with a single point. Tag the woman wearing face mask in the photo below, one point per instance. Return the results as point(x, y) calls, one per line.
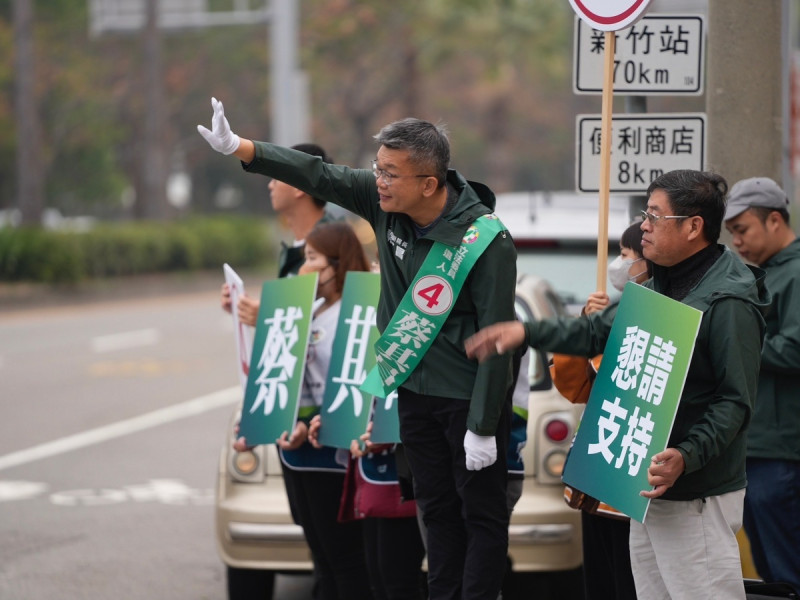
point(317, 475)
point(630, 265)
point(606, 556)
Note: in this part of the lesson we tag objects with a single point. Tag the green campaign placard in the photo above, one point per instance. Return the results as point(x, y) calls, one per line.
point(345, 408)
point(634, 399)
point(385, 422)
point(278, 359)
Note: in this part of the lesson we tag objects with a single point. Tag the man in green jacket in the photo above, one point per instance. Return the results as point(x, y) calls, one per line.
point(757, 217)
point(454, 418)
point(301, 212)
point(686, 548)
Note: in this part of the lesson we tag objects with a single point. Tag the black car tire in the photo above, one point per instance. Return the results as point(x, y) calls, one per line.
point(250, 584)
point(544, 585)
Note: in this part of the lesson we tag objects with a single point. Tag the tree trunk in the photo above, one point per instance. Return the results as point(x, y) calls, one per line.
point(30, 181)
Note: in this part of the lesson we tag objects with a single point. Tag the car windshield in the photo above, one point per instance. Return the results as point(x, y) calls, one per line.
point(571, 271)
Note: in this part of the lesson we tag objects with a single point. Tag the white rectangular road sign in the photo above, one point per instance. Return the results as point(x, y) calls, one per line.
point(658, 55)
point(643, 146)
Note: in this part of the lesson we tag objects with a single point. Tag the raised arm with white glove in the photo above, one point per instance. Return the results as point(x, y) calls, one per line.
point(220, 138)
point(481, 450)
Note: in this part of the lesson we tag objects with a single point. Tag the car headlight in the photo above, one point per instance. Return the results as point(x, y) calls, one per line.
point(246, 463)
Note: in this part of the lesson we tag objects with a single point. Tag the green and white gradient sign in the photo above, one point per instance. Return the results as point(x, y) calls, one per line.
point(634, 399)
point(345, 408)
point(278, 360)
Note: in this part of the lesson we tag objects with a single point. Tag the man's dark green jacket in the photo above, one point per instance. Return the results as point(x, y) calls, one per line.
point(775, 429)
point(486, 298)
point(717, 401)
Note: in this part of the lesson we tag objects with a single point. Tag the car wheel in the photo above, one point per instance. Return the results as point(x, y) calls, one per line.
point(553, 585)
point(250, 584)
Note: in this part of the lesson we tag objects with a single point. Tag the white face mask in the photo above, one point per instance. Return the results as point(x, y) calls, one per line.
point(618, 271)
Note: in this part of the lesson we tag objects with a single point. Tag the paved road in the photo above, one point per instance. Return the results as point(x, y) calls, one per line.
point(114, 406)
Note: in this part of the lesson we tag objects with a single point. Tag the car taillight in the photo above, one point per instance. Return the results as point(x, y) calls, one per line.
point(557, 430)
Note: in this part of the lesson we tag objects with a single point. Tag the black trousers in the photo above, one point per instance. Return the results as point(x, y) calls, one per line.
point(465, 512)
point(606, 558)
point(394, 554)
point(337, 549)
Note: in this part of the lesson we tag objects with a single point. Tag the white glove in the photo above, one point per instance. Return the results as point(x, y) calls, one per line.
point(481, 450)
point(221, 138)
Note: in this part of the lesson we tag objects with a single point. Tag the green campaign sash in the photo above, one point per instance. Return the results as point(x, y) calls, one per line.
point(426, 305)
point(634, 399)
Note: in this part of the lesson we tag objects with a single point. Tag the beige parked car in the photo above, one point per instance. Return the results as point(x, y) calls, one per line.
point(256, 537)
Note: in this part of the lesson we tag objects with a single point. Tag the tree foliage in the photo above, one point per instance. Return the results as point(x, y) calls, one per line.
point(497, 72)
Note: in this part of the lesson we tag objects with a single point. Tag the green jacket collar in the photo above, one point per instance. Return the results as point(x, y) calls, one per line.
point(728, 277)
point(791, 252)
point(474, 199)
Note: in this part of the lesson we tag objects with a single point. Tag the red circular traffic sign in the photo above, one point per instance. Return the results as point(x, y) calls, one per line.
point(609, 15)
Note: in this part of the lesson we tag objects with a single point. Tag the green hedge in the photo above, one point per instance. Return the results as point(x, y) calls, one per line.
point(109, 250)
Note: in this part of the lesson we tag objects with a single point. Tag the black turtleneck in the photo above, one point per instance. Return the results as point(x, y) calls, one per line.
point(678, 280)
point(452, 196)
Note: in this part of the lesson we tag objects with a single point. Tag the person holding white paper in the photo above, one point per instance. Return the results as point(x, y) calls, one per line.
point(317, 475)
point(301, 212)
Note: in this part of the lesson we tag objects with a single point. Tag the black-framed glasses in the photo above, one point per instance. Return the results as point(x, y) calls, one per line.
point(389, 178)
point(653, 219)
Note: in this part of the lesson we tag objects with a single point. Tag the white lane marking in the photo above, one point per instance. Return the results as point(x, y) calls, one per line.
point(186, 409)
point(125, 340)
point(20, 490)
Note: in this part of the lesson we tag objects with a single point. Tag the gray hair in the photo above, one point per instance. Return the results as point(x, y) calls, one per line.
point(427, 144)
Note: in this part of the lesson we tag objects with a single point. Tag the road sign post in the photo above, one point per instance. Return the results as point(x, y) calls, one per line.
point(608, 16)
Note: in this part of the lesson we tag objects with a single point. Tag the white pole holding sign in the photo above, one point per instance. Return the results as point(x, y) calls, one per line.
point(605, 161)
point(608, 16)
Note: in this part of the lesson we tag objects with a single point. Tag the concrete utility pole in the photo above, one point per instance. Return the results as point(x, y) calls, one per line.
point(745, 89)
point(288, 84)
point(151, 201)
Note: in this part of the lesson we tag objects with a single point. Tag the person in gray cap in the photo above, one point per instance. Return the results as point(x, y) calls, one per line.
point(757, 216)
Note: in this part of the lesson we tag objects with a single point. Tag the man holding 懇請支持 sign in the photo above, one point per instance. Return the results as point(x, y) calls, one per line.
point(686, 547)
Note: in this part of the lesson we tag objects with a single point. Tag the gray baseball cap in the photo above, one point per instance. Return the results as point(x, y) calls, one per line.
point(755, 192)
